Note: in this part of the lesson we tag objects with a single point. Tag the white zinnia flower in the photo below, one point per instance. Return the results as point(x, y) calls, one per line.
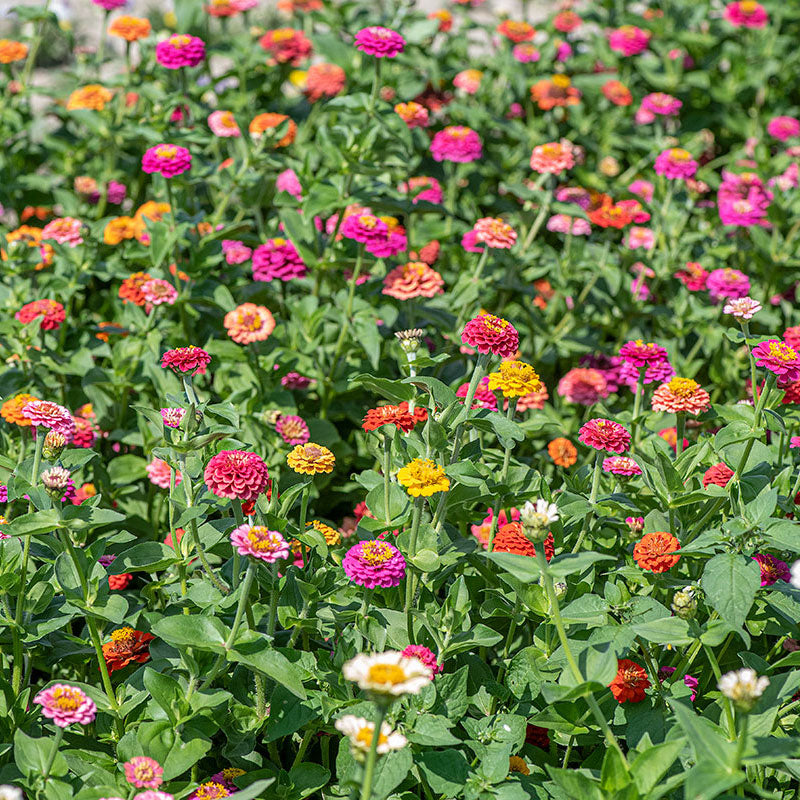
point(795, 570)
point(360, 732)
point(743, 686)
point(10, 792)
point(541, 513)
point(390, 673)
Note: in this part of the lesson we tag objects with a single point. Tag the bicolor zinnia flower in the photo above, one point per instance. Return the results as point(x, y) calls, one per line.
point(277, 259)
point(260, 542)
point(621, 465)
point(144, 772)
point(742, 308)
point(456, 143)
point(374, 563)
point(46, 414)
point(66, 705)
point(311, 459)
point(630, 682)
point(779, 358)
point(191, 359)
point(389, 674)
point(681, 396)
point(380, 42)
point(414, 279)
point(772, 569)
point(553, 157)
point(514, 379)
point(292, 429)
point(423, 477)
point(64, 230)
point(399, 416)
point(655, 552)
point(413, 114)
point(468, 80)
point(180, 50)
point(127, 646)
point(490, 334)
point(249, 323)
point(495, 233)
point(236, 474)
point(604, 434)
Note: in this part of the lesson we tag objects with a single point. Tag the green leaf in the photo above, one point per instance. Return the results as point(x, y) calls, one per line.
point(708, 779)
point(144, 557)
point(668, 630)
point(445, 770)
point(706, 738)
point(166, 691)
point(649, 767)
point(523, 568)
point(730, 582)
point(432, 730)
point(569, 564)
point(33, 524)
point(395, 391)
point(181, 631)
point(614, 774)
point(259, 655)
point(443, 395)
point(576, 784)
point(32, 755)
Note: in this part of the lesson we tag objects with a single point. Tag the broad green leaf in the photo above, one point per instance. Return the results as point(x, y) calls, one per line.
point(730, 582)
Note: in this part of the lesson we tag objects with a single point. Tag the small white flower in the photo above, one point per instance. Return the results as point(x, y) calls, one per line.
point(10, 792)
point(742, 308)
point(795, 570)
point(540, 513)
point(743, 687)
point(360, 732)
point(390, 673)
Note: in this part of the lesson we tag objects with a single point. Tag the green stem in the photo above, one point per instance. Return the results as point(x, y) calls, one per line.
point(52, 756)
point(387, 468)
point(512, 407)
point(637, 404)
point(101, 660)
point(587, 520)
point(712, 659)
point(477, 374)
point(273, 601)
point(410, 575)
point(369, 766)
point(680, 426)
point(376, 85)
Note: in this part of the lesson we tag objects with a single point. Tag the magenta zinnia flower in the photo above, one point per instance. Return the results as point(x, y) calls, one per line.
point(777, 357)
point(746, 13)
point(292, 429)
point(628, 40)
point(641, 354)
point(621, 465)
point(456, 143)
point(144, 772)
point(172, 417)
point(167, 159)
point(380, 42)
point(180, 50)
point(426, 656)
point(490, 334)
point(772, 569)
point(50, 415)
point(783, 128)
point(235, 252)
point(236, 474)
point(676, 163)
point(365, 228)
point(661, 103)
point(260, 542)
point(604, 434)
point(191, 359)
point(727, 283)
point(277, 259)
point(431, 190)
point(66, 705)
point(374, 563)
point(287, 181)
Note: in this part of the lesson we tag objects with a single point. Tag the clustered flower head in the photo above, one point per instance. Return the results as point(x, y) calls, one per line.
point(236, 475)
point(514, 379)
point(604, 434)
point(400, 416)
point(414, 279)
point(259, 542)
point(191, 359)
point(772, 569)
point(490, 334)
point(681, 396)
point(180, 50)
point(144, 772)
point(387, 675)
point(779, 358)
point(66, 705)
point(743, 687)
point(456, 143)
point(630, 682)
point(249, 323)
point(127, 646)
point(51, 312)
point(374, 563)
point(423, 477)
point(277, 259)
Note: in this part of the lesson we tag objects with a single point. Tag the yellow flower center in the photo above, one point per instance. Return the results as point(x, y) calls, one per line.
point(249, 321)
point(782, 352)
point(179, 40)
point(375, 553)
point(494, 323)
point(279, 242)
point(123, 637)
point(679, 154)
point(282, 34)
point(390, 674)
point(457, 131)
point(683, 387)
point(261, 539)
point(748, 6)
point(561, 81)
point(368, 221)
point(166, 151)
point(365, 734)
point(67, 698)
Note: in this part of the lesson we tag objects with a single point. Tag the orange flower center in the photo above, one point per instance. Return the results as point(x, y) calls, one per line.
point(748, 6)
point(375, 553)
point(457, 131)
point(386, 673)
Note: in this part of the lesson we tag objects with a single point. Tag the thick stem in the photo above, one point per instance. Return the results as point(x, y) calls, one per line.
point(477, 374)
point(512, 407)
point(369, 765)
point(387, 468)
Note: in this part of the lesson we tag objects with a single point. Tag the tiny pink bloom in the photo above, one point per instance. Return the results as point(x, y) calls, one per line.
point(563, 223)
point(144, 772)
point(158, 472)
point(260, 542)
point(223, 124)
point(637, 238)
point(287, 181)
point(172, 417)
point(235, 252)
point(621, 465)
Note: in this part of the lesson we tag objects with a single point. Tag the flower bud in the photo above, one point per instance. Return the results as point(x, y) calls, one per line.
point(743, 687)
point(53, 446)
point(560, 588)
point(56, 481)
point(410, 340)
point(635, 527)
point(536, 519)
point(684, 604)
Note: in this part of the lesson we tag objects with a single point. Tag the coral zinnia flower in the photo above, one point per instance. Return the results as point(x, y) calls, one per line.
point(11, 50)
point(130, 29)
point(66, 705)
point(654, 551)
point(603, 434)
point(618, 93)
point(191, 359)
point(93, 97)
point(311, 459)
point(557, 91)
point(630, 682)
point(52, 314)
point(583, 385)
point(511, 539)
point(260, 542)
point(681, 395)
point(324, 80)
point(414, 279)
point(779, 358)
point(515, 379)
point(11, 410)
point(490, 334)
point(130, 289)
point(516, 31)
point(563, 452)
point(423, 477)
point(127, 646)
point(494, 232)
point(262, 123)
point(553, 157)
point(610, 215)
point(374, 563)
point(236, 474)
point(249, 323)
point(720, 475)
point(399, 416)
point(413, 114)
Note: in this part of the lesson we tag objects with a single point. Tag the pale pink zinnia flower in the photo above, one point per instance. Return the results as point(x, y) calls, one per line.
point(637, 238)
point(292, 429)
point(260, 542)
point(495, 233)
point(468, 80)
point(561, 223)
point(144, 772)
point(66, 705)
point(158, 472)
point(235, 252)
point(287, 181)
point(64, 230)
point(223, 124)
point(742, 308)
point(552, 157)
point(159, 292)
point(643, 189)
point(50, 415)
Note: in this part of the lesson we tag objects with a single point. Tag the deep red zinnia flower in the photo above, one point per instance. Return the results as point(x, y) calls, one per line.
point(630, 682)
point(399, 416)
point(719, 475)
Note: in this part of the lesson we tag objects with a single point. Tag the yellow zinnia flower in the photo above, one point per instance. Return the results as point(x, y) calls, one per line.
point(515, 379)
point(423, 477)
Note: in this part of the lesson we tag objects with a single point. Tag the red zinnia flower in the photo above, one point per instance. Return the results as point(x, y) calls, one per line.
point(236, 474)
point(490, 334)
point(186, 359)
point(52, 313)
point(511, 539)
point(654, 552)
point(127, 646)
point(629, 684)
point(399, 416)
point(603, 434)
point(719, 475)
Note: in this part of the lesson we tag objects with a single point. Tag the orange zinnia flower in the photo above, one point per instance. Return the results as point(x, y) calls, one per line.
point(563, 452)
point(557, 91)
point(127, 646)
point(511, 539)
point(266, 122)
point(629, 684)
point(121, 228)
point(11, 410)
point(130, 28)
point(131, 288)
point(610, 215)
point(11, 51)
point(93, 97)
point(655, 551)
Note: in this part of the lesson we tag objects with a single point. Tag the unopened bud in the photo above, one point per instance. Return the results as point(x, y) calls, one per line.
point(53, 446)
point(536, 519)
point(56, 482)
point(410, 340)
point(684, 604)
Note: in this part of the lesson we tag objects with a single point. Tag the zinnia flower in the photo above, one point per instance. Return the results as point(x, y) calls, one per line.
point(495, 233)
point(630, 682)
point(236, 474)
point(743, 686)
point(66, 705)
point(468, 80)
point(681, 396)
point(414, 279)
point(490, 334)
point(287, 181)
point(64, 230)
point(423, 477)
point(262, 123)
point(324, 80)
point(742, 308)
point(456, 143)
point(553, 157)
point(642, 354)
point(249, 323)
point(92, 97)
point(772, 569)
point(223, 124)
point(190, 359)
point(51, 312)
point(277, 259)
point(783, 128)
point(779, 358)
point(131, 29)
point(292, 429)
point(168, 160)
point(380, 42)
point(484, 397)
point(617, 92)
point(311, 459)
point(399, 416)
point(422, 188)
point(180, 50)
point(676, 163)
point(661, 104)
point(555, 92)
point(260, 542)
point(389, 674)
point(158, 471)
point(50, 415)
point(144, 772)
point(583, 385)
point(621, 465)
point(720, 475)
point(628, 40)
point(374, 563)
point(654, 552)
point(127, 646)
point(563, 452)
point(11, 51)
point(515, 379)
point(746, 13)
point(511, 539)
point(603, 434)
point(360, 733)
point(693, 277)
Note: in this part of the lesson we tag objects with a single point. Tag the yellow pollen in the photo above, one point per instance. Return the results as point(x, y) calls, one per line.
point(249, 321)
point(748, 6)
point(66, 698)
point(386, 673)
point(282, 34)
point(494, 323)
point(279, 242)
point(368, 221)
point(679, 154)
point(179, 40)
point(458, 131)
point(260, 538)
point(375, 553)
point(782, 351)
point(561, 81)
point(683, 387)
point(166, 151)
point(365, 734)
point(123, 636)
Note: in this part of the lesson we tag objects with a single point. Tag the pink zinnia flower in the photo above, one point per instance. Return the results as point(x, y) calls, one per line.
point(693, 277)
point(526, 53)
point(374, 563)
point(415, 115)
point(365, 228)
point(484, 396)
point(727, 283)
point(676, 163)
point(287, 181)
point(643, 189)
point(172, 417)
point(468, 80)
point(456, 143)
point(380, 42)
point(167, 159)
point(426, 656)
point(628, 40)
point(640, 354)
point(158, 472)
point(553, 157)
point(50, 415)
point(688, 680)
point(747, 14)
point(637, 238)
point(490, 334)
point(584, 386)
point(495, 233)
point(656, 372)
point(292, 429)
point(260, 542)
point(661, 104)
point(144, 772)
point(296, 381)
point(191, 359)
point(777, 357)
point(604, 434)
point(66, 705)
point(159, 292)
point(110, 5)
point(783, 128)
point(277, 259)
point(414, 279)
point(235, 252)
point(236, 475)
point(772, 569)
point(180, 50)
point(561, 223)
point(64, 230)
point(431, 190)
point(621, 465)
point(223, 124)
point(681, 396)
